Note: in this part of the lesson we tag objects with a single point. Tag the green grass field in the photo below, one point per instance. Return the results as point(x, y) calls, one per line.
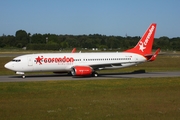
point(143, 98)
point(132, 98)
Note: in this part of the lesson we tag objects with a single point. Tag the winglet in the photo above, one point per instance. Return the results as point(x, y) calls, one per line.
point(144, 46)
point(73, 50)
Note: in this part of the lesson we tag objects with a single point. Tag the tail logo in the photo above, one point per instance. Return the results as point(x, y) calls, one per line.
point(142, 45)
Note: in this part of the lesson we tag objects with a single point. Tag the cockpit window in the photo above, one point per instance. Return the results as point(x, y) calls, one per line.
point(16, 60)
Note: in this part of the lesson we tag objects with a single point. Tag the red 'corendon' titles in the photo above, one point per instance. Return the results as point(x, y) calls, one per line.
point(54, 60)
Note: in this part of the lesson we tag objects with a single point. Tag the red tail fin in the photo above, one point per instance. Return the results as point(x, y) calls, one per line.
point(144, 46)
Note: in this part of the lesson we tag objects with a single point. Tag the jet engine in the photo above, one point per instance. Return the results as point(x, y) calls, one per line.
point(81, 71)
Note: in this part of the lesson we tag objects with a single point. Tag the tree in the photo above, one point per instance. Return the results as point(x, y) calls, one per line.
point(54, 42)
point(38, 38)
point(163, 43)
point(21, 38)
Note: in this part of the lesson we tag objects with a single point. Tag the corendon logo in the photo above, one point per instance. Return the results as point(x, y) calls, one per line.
point(142, 45)
point(41, 59)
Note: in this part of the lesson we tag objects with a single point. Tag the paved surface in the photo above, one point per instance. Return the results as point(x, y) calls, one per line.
point(16, 78)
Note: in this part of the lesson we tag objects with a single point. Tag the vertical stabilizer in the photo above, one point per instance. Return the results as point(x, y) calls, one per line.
point(144, 46)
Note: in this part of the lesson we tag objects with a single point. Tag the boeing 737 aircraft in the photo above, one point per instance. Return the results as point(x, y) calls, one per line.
point(86, 64)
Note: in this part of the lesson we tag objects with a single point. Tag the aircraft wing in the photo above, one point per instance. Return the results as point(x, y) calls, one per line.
point(109, 65)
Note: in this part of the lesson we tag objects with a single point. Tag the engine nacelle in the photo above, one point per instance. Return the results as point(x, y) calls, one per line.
point(81, 71)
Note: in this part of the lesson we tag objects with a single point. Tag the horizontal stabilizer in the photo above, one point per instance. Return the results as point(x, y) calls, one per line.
point(153, 57)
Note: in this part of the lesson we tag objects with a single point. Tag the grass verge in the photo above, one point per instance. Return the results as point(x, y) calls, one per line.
point(134, 98)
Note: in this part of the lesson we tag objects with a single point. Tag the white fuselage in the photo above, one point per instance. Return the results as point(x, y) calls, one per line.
point(63, 62)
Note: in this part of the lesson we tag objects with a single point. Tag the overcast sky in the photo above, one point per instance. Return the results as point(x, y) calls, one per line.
point(77, 17)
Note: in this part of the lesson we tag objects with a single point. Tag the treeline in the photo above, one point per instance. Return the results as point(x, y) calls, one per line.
point(60, 42)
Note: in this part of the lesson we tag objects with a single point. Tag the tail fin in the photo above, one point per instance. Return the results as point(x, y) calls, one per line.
point(144, 46)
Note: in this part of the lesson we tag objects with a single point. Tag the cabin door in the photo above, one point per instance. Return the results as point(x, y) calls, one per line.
point(30, 61)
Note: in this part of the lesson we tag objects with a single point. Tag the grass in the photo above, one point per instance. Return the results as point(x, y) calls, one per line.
point(143, 98)
point(3, 70)
point(133, 98)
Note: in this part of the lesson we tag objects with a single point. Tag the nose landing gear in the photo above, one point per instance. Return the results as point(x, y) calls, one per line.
point(21, 73)
point(23, 76)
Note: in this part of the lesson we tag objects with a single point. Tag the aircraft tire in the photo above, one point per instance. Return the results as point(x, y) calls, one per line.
point(23, 76)
point(95, 74)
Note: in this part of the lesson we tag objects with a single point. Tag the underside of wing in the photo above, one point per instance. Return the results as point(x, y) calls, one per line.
point(102, 66)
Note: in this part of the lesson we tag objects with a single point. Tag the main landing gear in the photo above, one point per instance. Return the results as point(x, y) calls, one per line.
point(23, 76)
point(95, 74)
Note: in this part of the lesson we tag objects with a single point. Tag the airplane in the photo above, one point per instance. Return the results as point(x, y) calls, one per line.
point(86, 64)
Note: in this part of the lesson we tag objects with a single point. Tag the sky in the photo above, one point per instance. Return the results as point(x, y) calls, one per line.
point(78, 17)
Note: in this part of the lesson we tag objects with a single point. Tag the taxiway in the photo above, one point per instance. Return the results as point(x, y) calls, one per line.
point(16, 78)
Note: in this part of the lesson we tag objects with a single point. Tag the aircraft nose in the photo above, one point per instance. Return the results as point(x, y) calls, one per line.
point(8, 65)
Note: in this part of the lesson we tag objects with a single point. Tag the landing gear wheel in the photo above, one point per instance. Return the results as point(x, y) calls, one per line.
point(23, 76)
point(95, 74)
